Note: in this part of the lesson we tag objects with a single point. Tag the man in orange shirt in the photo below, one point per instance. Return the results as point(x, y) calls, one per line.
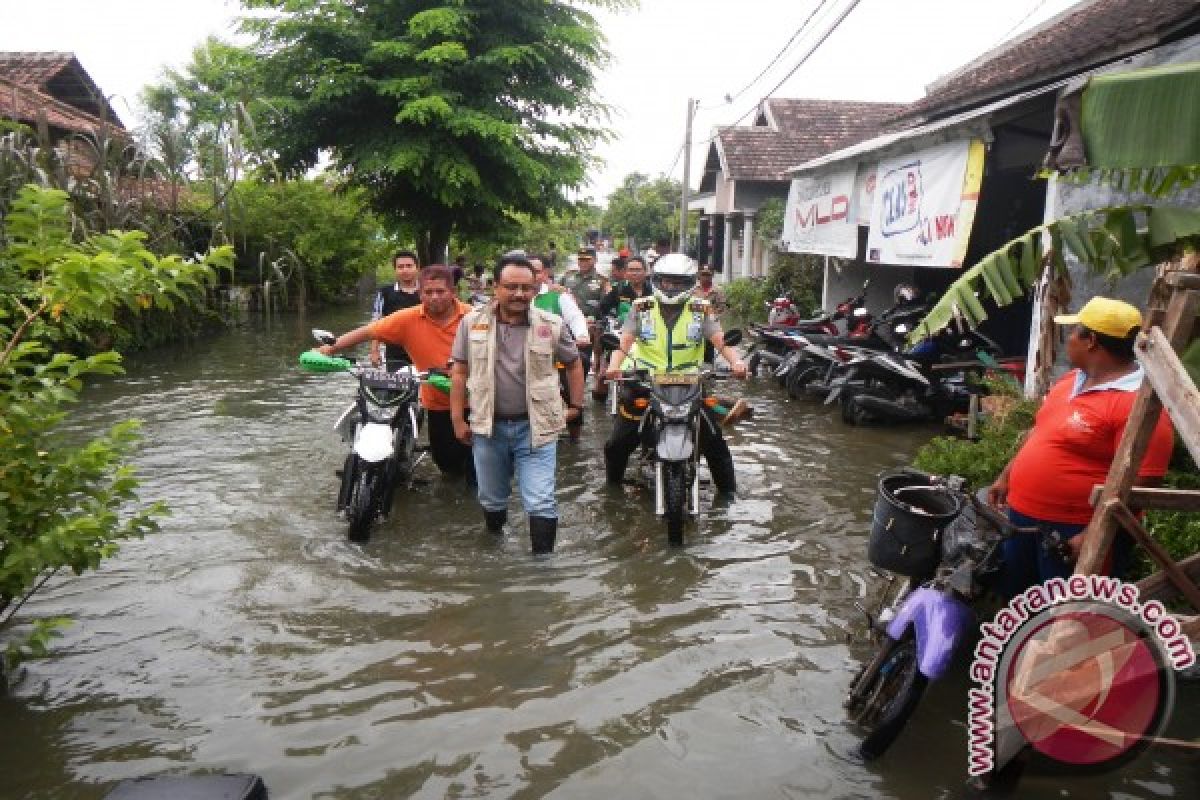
point(1072, 444)
point(426, 332)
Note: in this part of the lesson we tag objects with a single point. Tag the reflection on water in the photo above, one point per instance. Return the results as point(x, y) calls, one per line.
point(438, 661)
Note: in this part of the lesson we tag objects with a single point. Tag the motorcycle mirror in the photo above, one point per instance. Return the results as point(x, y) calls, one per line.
point(733, 336)
point(610, 340)
point(323, 336)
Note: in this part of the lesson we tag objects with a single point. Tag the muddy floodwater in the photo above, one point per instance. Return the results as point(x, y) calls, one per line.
point(437, 661)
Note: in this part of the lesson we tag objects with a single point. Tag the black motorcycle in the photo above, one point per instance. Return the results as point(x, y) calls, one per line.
point(927, 382)
point(669, 432)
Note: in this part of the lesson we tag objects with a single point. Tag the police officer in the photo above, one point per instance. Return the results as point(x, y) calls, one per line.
point(666, 333)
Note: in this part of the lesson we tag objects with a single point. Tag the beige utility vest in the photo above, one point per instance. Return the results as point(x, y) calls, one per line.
point(547, 416)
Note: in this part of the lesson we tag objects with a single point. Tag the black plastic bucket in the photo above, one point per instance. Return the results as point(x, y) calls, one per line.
point(910, 515)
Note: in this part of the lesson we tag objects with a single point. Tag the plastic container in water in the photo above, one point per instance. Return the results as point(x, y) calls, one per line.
point(910, 515)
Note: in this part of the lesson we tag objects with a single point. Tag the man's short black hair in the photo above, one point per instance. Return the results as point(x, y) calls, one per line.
point(514, 259)
point(406, 254)
point(1119, 346)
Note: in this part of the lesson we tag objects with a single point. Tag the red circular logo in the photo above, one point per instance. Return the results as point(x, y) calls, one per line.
point(1085, 688)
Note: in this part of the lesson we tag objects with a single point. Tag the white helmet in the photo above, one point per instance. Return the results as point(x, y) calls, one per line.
point(674, 278)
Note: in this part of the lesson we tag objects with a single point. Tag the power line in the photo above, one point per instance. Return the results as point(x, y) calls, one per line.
point(845, 13)
point(795, 35)
point(1036, 8)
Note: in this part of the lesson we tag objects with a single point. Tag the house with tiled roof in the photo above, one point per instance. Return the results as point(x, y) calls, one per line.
point(51, 92)
point(56, 85)
point(999, 114)
point(748, 165)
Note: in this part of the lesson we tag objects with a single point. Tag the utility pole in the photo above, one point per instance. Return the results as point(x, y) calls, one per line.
point(687, 164)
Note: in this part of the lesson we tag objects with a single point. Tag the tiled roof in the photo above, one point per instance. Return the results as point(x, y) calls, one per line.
point(805, 129)
point(59, 75)
point(1086, 35)
point(22, 103)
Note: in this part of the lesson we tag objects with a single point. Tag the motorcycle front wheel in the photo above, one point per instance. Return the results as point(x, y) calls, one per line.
point(361, 510)
point(892, 695)
point(675, 491)
point(800, 377)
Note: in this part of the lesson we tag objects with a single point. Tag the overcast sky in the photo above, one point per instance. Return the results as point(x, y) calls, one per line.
point(663, 52)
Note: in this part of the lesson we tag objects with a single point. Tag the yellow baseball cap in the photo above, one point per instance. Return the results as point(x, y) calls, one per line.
point(1104, 315)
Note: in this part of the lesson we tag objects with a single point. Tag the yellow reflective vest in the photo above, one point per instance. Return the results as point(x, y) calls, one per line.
point(658, 348)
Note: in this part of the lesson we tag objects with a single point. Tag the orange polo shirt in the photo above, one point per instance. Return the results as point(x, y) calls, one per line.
point(428, 343)
point(1071, 447)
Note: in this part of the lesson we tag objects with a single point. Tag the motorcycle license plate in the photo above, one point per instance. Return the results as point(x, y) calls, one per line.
point(677, 379)
point(382, 379)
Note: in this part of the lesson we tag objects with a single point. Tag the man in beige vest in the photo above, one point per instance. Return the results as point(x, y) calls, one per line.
point(504, 369)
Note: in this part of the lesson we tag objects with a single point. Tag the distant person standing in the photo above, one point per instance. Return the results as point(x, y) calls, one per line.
point(589, 288)
point(504, 371)
point(390, 299)
point(707, 290)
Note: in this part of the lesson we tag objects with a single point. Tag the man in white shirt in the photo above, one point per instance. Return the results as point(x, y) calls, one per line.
point(558, 300)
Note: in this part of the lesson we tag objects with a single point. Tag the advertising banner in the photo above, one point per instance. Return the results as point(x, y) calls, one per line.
point(821, 216)
point(924, 205)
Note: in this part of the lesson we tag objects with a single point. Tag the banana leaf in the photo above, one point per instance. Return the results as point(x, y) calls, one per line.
point(1143, 119)
point(1168, 224)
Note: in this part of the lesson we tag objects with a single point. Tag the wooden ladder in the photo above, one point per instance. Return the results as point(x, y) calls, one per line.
point(1166, 332)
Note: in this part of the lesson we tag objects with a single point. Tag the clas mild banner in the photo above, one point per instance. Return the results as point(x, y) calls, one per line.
point(821, 215)
point(924, 205)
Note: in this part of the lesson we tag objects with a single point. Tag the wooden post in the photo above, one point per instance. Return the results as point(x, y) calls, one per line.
point(1098, 537)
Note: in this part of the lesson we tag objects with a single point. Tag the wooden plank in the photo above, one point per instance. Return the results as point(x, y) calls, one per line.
point(1143, 497)
point(1174, 386)
point(1118, 511)
point(1098, 537)
point(1159, 586)
point(1183, 280)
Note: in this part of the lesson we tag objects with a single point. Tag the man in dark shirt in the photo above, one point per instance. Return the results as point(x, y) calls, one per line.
point(402, 294)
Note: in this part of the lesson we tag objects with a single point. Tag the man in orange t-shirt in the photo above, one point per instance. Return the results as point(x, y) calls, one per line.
point(1072, 444)
point(427, 333)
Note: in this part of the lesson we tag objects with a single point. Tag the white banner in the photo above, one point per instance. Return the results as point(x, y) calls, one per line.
point(924, 206)
point(821, 217)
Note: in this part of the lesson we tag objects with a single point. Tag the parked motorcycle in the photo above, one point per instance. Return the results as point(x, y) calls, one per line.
point(672, 404)
point(927, 382)
point(776, 342)
point(812, 368)
point(941, 545)
point(381, 426)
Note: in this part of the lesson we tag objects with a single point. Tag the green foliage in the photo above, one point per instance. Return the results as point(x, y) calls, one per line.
point(450, 115)
point(67, 505)
point(642, 209)
point(306, 235)
point(746, 300)
point(980, 462)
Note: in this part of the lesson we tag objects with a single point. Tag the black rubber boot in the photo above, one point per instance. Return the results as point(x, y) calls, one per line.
point(720, 464)
point(495, 520)
point(542, 532)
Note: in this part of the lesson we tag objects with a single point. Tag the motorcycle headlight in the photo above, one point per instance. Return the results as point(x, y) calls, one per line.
point(675, 411)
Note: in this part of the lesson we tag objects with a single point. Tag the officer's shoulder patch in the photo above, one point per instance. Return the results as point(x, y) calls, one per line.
point(643, 303)
point(697, 304)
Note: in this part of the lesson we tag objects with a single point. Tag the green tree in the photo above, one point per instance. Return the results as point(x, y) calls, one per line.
point(307, 235)
point(643, 209)
point(64, 504)
point(451, 114)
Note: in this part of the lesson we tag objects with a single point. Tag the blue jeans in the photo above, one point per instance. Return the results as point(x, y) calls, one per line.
point(508, 450)
point(1026, 561)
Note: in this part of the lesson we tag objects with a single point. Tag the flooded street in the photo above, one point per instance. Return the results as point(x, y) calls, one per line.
point(437, 661)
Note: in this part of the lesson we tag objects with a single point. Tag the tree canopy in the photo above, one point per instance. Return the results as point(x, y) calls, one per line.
point(449, 113)
point(643, 209)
